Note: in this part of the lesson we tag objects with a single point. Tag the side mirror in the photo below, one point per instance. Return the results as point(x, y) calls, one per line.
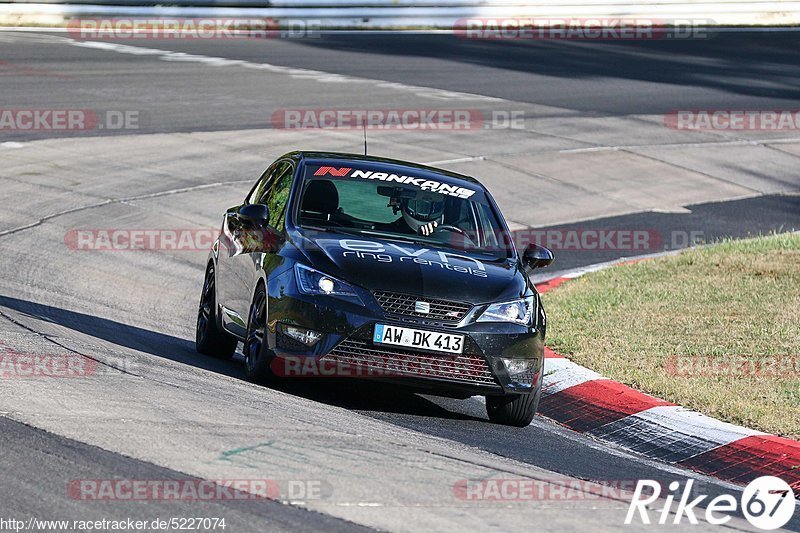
point(257, 235)
point(536, 256)
point(258, 213)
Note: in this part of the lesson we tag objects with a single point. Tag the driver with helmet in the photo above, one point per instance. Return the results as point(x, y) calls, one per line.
point(421, 214)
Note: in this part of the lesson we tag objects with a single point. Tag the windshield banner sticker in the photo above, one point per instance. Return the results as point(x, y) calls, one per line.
point(422, 183)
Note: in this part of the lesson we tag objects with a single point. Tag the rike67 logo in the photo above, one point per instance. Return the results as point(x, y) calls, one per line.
point(767, 503)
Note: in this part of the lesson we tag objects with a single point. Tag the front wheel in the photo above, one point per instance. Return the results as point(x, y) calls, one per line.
point(257, 357)
point(209, 337)
point(517, 410)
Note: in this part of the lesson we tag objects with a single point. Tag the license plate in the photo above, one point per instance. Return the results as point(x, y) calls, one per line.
point(415, 338)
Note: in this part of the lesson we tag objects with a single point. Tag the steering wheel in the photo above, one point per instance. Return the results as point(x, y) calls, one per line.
point(455, 229)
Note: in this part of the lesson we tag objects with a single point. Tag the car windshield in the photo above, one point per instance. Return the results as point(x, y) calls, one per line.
point(436, 211)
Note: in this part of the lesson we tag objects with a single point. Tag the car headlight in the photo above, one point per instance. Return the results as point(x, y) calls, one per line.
point(311, 281)
point(520, 312)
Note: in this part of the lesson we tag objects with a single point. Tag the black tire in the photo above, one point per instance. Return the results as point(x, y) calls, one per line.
point(257, 357)
point(210, 338)
point(517, 410)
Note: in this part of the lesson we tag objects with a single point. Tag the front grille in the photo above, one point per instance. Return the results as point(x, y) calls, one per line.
point(377, 362)
point(404, 304)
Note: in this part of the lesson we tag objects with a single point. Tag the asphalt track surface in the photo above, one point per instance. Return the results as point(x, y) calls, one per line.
point(112, 306)
point(737, 70)
point(37, 465)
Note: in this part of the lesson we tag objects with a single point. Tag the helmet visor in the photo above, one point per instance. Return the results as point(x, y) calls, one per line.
point(424, 209)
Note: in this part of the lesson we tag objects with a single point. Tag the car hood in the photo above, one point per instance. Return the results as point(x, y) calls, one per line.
point(380, 264)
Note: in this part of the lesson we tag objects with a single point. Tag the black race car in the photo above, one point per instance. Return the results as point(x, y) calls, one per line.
point(354, 266)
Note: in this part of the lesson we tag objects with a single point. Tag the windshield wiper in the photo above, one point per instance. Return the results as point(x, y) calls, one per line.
point(315, 228)
point(333, 229)
point(395, 236)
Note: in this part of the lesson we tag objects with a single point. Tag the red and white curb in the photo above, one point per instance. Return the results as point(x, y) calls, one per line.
point(589, 403)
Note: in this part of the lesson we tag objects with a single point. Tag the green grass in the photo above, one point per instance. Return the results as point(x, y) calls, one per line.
point(736, 301)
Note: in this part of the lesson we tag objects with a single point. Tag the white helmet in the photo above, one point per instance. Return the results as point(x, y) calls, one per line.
point(423, 209)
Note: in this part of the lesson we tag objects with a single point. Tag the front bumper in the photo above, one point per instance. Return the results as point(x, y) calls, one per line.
point(346, 348)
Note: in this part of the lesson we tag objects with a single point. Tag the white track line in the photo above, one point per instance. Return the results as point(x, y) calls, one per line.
point(316, 75)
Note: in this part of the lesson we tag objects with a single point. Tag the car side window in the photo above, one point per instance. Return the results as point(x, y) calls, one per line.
point(277, 195)
point(263, 184)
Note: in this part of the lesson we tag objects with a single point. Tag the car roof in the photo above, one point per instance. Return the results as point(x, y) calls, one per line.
point(421, 170)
